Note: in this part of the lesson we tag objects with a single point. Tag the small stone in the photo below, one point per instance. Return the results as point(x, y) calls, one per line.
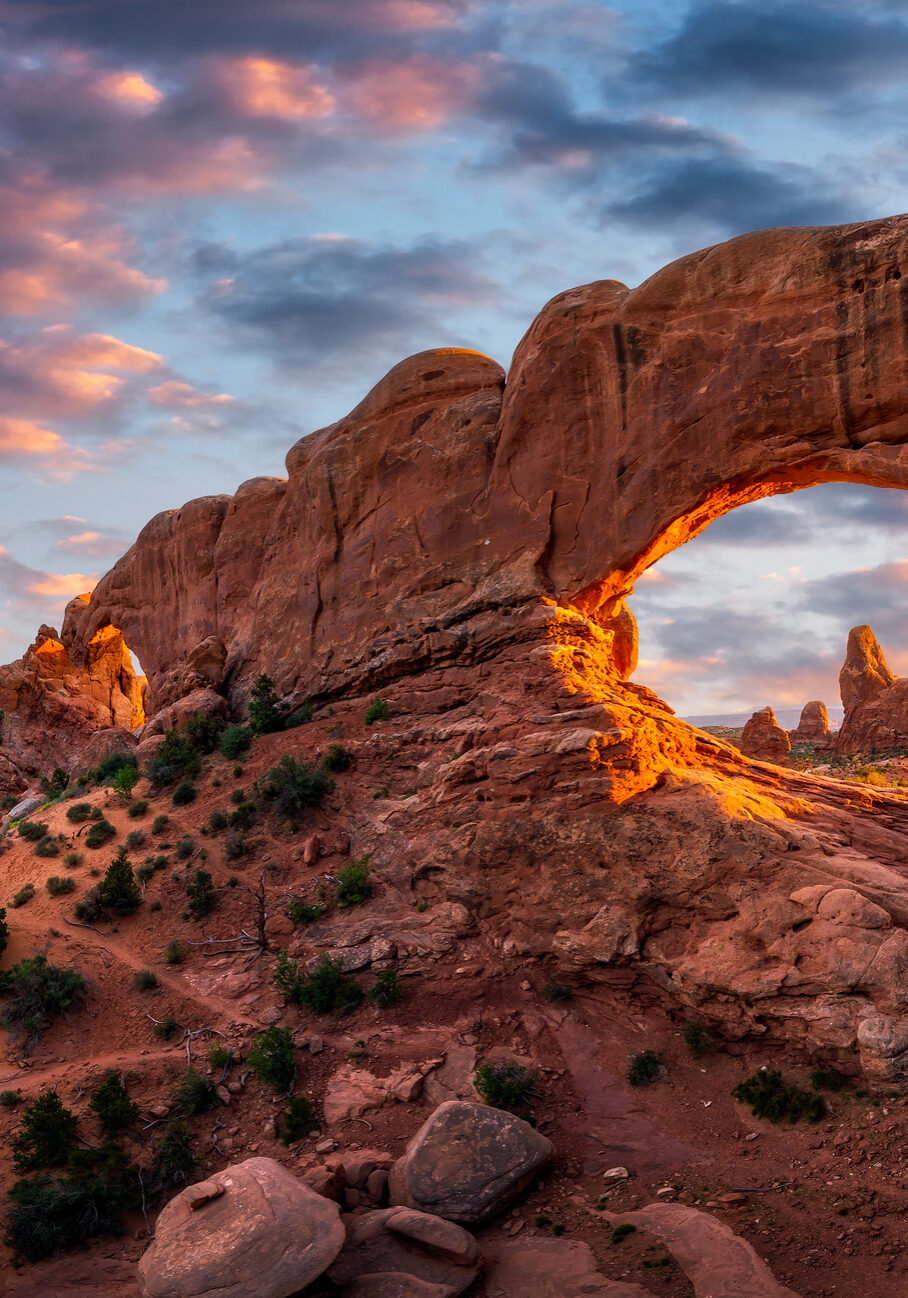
point(316, 1045)
point(326, 1146)
point(616, 1174)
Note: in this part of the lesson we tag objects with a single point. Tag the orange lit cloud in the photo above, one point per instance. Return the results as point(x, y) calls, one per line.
point(66, 584)
point(131, 90)
point(415, 95)
point(266, 88)
point(175, 395)
point(24, 440)
point(61, 372)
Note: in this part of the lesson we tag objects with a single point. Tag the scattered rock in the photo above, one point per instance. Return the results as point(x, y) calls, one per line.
point(400, 1242)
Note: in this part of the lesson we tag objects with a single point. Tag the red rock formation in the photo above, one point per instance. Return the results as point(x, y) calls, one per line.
point(813, 726)
point(874, 699)
point(764, 738)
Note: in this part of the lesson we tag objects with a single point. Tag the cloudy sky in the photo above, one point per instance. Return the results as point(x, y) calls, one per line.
point(221, 221)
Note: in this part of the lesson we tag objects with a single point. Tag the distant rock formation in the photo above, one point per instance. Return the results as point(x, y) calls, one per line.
point(764, 738)
point(874, 698)
point(813, 727)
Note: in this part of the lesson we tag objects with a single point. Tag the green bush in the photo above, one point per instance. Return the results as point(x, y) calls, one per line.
point(235, 846)
point(353, 883)
point(217, 820)
point(184, 848)
point(125, 780)
point(109, 767)
point(196, 1094)
point(204, 731)
point(4, 930)
point(827, 1079)
point(145, 980)
point(49, 1214)
point(101, 832)
point(119, 890)
point(326, 989)
point(78, 812)
point(697, 1038)
point(160, 823)
point(135, 839)
point(175, 951)
point(166, 1027)
point(173, 1161)
point(644, 1068)
point(770, 1097)
point(175, 758)
point(621, 1232)
point(337, 758)
point(32, 830)
point(264, 716)
point(45, 1135)
point(304, 912)
point(298, 1120)
point(89, 906)
point(36, 992)
point(377, 710)
point(301, 717)
point(58, 884)
point(111, 1105)
point(9, 1099)
point(201, 894)
point(237, 796)
point(144, 872)
point(387, 991)
point(243, 817)
point(505, 1086)
point(184, 793)
point(234, 742)
point(220, 1056)
point(295, 786)
point(72, 859)
point(25, 893)
point(137, 808)
point(47, 847)
point(271, 1058)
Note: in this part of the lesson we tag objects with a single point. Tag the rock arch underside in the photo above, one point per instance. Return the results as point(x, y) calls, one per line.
point(464, 541)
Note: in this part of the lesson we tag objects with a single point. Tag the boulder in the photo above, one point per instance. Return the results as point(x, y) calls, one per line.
point(813, 726)
point(104, 743)
point(252, 1228)
point(398, 1242)
point(468, 1162)
point(764, 738)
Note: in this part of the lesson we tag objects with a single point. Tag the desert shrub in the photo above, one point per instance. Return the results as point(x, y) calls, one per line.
point(9, 1099)
point(184, 847)
point(243, 817)
point(387, 991)
point(45, 1135)
point(89, 907)
point(505, 1086)
point(32, 830)
point(697, 1038)
point(233, 882)
point(72, 860)
point(234, 742)
point(556, 992)
point(58, 884)
point(220, 1056)
point(217, 820)
point(175, 951)
point(337, 758)
point(201, 894)
point(25, 893)
point(644, 1068)
point(173, 1161)
point(111, 1105)
point(119, 890)
point(137, 808)
point(770, 1097)
point(353, 883)
point(304, 912)
point(96, 814)
point(196, 1094)
point(328, 990)
point(176, 757)
point(377, 710)
point(204, 731)
point(78, 812)
point(295, 786)
point(144, 872)
point(4, 930)
point(36, 992)
point(54, 784)
point(264, 716)
point(109, 767)
point(125, 780)
point(166, 1027)
point(621, 1232)
point(145, 980)
point(237, 796)
point(160, 823)
point(235, 846)
point(301, 717)
point(297, 1121)
point(47, 847)
point(271, 1058)
point(49, 1214)
point(135, 839)
point(184, 793)
point(101, 832)
point(381, 793)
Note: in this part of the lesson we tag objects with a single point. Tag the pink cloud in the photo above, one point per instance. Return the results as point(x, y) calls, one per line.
point(176, 395)
point(24, 441)
point(415, 94)
point(61, 372)
point(263, 87)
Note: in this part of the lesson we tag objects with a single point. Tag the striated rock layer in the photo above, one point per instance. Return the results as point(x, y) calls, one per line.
point(467, 546)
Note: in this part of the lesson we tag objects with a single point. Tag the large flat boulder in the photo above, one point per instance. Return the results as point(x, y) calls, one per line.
point(468, 1162)
point(250, 1231)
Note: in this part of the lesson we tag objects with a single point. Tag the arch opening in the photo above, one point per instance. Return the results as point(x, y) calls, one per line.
point(116, 677)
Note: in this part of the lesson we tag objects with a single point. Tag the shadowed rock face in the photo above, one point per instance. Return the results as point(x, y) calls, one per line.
point(764, 738)
point(813, 725)
point(874, 698)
